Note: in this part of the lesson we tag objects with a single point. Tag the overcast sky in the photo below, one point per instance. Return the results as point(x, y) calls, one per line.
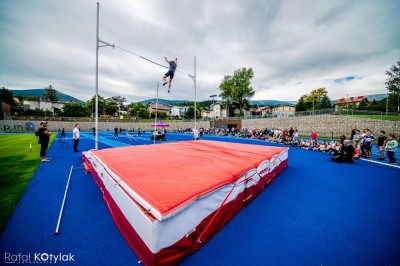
point(293, 46)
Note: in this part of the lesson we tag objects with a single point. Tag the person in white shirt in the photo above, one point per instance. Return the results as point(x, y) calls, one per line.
point(195, 134)
point(76, 135)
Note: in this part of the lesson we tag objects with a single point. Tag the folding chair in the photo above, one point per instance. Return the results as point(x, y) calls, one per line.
point(62, 142)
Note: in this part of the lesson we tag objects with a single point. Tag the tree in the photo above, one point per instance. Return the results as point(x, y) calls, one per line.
point(91, 105)
point(118, 99)
point(139, 110)
point(74, 110)
point(314, 99)
point(6, 95)
point(393, 86)
point(190, 113)
point(301, 105)
point(325, 103)
point(142, 113)
point(51, 94)
point(111, 106)
point(363, 104)
point(236, 89)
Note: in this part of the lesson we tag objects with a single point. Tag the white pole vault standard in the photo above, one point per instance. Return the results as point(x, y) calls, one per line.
point(155, 117)
point(194, 80)
point(195, 109)
point(96, 110)
point(96, 134)
point(63, 202)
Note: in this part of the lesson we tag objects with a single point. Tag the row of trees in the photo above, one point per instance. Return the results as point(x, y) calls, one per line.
point(235, 91)
point(106, 106)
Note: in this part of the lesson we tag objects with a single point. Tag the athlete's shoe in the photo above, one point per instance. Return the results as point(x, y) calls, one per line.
point(165, 83)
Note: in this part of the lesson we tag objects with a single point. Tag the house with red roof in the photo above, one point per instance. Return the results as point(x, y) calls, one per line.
point(349, 103)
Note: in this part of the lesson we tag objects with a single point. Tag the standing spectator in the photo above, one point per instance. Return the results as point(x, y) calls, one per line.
point(76, 134)
point(295, 134)
point(195, 134)
point(367, 143)
point(62, 135)
point(362, 135)
point(342, 138)
point(116, 132)
point(353, 132)
point(356, 136)
point(44, 138)
point(291, 131)
point(163, 134)
point(381, 145)
point(391, 147)
point(356, 150)
point(201, 132)
point(94, 131)
point(313, 136)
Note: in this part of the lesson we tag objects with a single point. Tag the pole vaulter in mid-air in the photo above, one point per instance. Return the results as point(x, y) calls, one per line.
point(170, 73)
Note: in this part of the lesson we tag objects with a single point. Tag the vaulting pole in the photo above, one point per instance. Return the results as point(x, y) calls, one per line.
point(63, 202)
point(96, 145)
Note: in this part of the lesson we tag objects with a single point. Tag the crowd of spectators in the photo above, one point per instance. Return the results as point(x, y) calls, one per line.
point(359, 145)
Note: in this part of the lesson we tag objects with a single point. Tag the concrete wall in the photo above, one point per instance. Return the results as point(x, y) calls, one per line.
point(324, 125)
point(21, 125)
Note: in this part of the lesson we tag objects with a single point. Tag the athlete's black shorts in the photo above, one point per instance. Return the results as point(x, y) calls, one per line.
point(170, 74)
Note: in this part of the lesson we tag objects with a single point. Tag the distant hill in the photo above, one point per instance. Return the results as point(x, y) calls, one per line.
point(272, 102)
point(40, 93)
point(65, 98)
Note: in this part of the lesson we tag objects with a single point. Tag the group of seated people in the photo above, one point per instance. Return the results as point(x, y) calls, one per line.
point(342, 150)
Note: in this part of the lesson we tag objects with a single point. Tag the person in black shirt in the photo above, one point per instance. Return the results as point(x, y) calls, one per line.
point(44, 138)
point(347, 153)
point(381, 145)
point(116, 132)
point(170, 73)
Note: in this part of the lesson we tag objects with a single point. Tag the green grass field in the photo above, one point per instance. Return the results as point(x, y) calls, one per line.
point(378, 117)
point(18, 163)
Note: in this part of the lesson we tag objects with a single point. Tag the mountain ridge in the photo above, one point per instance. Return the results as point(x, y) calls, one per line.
point(41, 92)
point(66, 98)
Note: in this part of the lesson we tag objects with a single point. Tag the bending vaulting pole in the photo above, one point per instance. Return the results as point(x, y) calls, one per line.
point(63, 202)
point(96, 137)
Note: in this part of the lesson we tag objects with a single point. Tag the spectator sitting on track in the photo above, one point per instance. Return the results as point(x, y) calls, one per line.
point(346, 156)
point(327, 148)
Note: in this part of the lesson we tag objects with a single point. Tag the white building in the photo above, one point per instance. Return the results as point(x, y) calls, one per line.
point(215, 110)
point(281, 111)
point(179, 111)
point(43, 105)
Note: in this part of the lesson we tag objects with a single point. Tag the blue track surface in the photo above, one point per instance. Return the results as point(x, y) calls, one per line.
point(315, 213)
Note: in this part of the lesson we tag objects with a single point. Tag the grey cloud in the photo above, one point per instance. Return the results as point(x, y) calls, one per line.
point(285, 42)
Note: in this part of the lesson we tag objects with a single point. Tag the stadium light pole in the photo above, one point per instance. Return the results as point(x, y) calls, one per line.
point(212, 96)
